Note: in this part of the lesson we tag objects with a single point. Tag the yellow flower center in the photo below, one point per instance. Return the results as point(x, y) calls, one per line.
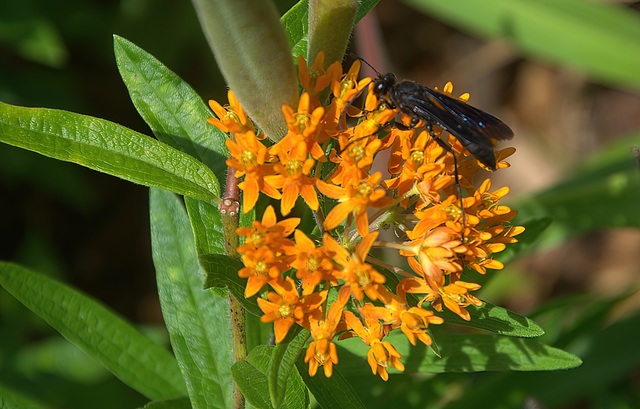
point(285, 310)
point(232, 115)
point(302, 122)
point(356, 152)
point(313, 77)
point(457, 298)
point(363, 276)
point(363, 191)
point(417, 157)
point(321, 358)
point(248, 158)
point(262, 268)
point(257, 238)
point(312, 263)
point(453, 210)
point(345, 86)
point(487, 202)
point(293, 167)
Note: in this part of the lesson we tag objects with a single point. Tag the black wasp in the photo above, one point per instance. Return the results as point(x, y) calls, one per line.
point(476, 130)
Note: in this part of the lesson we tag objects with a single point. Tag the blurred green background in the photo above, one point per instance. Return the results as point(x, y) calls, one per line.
point(91, 230)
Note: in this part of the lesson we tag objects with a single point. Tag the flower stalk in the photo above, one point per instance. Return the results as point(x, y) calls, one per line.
point(229, 209)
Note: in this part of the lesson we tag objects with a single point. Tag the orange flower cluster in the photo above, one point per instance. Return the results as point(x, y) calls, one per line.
point(419, 199)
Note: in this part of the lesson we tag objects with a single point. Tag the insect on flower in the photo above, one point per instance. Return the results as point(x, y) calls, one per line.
point(476, 130)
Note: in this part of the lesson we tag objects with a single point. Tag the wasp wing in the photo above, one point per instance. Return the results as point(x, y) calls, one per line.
point(477, 130)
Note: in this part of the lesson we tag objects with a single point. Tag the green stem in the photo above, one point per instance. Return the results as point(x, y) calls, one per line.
point(229, 208)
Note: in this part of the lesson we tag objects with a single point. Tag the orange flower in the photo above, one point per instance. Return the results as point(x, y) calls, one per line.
point(268, 233)
point(424, 161)
point(455, 295)
point(248, 158)
point(313, 264)
point(356, 197)
point(303, 128)
point(360, 276)
point(437, 251)
point(285, 307)
point(484, 204)
point(412, 321)
point(344, 92)
point(315, 79)
point(261, 267)
point(355, 161)
point(445, 233)
point(322, 351)
point(232, 119)
point(293, 178)
point(382, 354)
point(378, 115)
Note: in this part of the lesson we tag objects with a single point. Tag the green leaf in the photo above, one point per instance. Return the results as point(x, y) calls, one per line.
point(55, 355)
point(197, 321)
point(172, 109)
point(251, 377)
point(206, 223)
point(495, 319)
point(122, 349)
point(106, 147)
point(602, 194)
point(463, 353)
point(599, 38)
point(611, 356)
point(283, 362)
point(296, 24)
point(10, 399)
point(180, 403)
point(334, 392)
point(222, 272)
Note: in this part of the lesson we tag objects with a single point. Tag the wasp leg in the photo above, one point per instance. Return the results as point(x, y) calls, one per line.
point(449, 149)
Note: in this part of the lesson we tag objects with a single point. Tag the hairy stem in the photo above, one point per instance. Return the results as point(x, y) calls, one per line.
point(230, 211)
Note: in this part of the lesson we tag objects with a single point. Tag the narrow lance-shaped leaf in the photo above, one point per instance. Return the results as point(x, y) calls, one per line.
point(206, 222)
point(222, 272)
point(495, 319)
point(173, 110)
point(283, 362)
point(106, 147)
point(463, 353)
point(251, 377)
point(197, 321)
point(334, 392)
point(122, 349)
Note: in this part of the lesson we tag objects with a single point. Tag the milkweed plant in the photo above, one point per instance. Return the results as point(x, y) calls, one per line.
point(339, 240)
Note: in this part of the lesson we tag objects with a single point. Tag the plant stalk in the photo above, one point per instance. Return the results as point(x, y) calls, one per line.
point(230, 211)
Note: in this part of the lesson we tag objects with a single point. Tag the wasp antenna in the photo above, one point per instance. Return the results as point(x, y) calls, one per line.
point(366, 62)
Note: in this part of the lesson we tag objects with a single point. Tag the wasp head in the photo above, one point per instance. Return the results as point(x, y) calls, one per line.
point(382, 85)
